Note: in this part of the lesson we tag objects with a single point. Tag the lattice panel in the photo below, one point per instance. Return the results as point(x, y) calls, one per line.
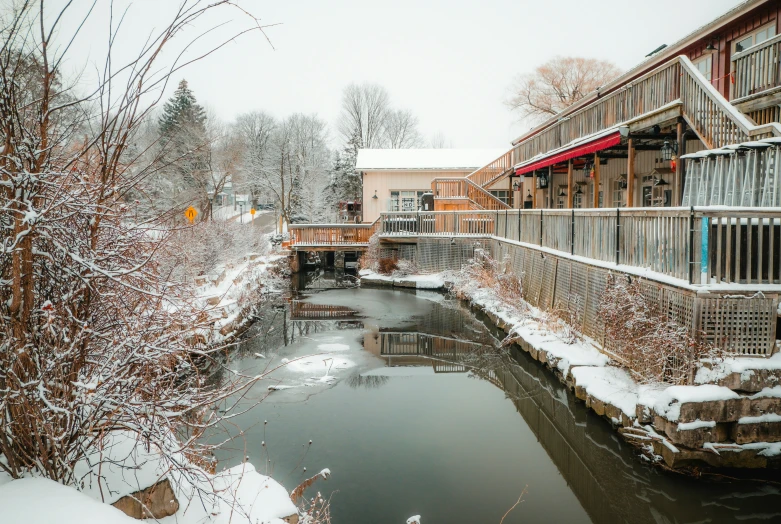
point(680, 308)
point(740, 325)
point(577, 293)
point(592, 323)
point(563, 272)
point(548, 280)
point(535, 279)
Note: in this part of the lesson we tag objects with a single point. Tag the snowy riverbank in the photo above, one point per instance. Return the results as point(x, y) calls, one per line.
point(672, 423)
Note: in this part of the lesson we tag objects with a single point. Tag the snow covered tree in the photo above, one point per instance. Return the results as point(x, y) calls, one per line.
point(185, 150)
point(344, 182)
point(94, 336)
point(557, 84)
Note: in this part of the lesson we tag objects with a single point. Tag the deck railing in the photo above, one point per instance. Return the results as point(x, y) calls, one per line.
point(331, 234)
point(676, 82)
point(487, 175)
point(438, 223)
point(465, 188)
point(697, 245)
point(756, 69)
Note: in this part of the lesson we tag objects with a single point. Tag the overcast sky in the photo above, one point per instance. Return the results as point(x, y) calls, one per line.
point(451, 62)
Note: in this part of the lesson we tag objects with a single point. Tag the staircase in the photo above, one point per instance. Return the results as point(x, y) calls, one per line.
point(674, 84)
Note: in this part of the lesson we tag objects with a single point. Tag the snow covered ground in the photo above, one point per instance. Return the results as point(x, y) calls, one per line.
point(239, 494)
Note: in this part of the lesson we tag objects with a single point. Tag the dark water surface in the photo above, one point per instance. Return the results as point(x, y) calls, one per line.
point(416, 412)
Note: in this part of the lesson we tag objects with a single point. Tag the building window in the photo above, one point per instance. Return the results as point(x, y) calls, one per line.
point(503, 195)
point(757, 37)
point(705, 66)
point(405, 200)
point(619, 190)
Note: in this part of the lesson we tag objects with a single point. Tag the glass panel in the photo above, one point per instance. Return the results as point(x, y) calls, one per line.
point(744, 44)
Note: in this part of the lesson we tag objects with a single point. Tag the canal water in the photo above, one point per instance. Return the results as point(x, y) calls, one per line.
point(412, 404)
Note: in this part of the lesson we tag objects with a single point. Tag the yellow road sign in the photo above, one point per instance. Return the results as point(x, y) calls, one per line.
point(190, 213)
point(252, 211)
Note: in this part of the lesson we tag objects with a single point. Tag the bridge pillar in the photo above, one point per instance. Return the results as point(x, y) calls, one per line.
point(339, 259)
point(295, 261)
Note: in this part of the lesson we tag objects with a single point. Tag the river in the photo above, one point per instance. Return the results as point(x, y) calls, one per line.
point(410, 401)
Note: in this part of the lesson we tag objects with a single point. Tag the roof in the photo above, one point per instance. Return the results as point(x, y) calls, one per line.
point(658, 57)
point(415, 159)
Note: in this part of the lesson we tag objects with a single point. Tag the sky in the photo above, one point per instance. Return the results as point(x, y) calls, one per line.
point(450, 62)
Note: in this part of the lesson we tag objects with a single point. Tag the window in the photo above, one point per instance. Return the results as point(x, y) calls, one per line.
point(705, 66)
point(503, 195)
point(619, 189)
point(757, 37)
point(405, 200)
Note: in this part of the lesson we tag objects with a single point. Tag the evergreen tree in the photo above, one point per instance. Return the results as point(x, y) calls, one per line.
point(186, 151)
point(345, 183)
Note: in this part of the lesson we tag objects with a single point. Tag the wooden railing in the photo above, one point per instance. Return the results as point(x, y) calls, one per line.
point(443, 223)
point(331, 234)
point(490, 174)
point(756, 69)
point(696, 245)
point(465, 188)
point(676, 82)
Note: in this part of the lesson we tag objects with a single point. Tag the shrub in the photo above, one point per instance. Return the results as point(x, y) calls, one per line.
point(386, 266)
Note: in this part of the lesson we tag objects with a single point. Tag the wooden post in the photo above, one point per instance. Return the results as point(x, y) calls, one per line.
point(596, 181)
point(550, 187)
point(680, 170)
point(570, 195)
point(534, 193)
point(630, 176)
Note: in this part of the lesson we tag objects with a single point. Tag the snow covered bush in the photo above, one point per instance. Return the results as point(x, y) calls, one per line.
point(484, 273)
point(95, 334)
point(653, 346)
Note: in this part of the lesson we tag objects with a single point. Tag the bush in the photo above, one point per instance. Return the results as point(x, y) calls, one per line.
point(653, 346)
point(386, 266)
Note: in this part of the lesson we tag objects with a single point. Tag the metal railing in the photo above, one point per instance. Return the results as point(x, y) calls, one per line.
point(756, 69)
point(697, 245)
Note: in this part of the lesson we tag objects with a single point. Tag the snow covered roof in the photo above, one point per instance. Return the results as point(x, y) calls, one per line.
point(467, 159)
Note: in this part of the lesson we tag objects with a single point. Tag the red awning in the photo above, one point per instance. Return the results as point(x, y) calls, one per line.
point(598, 144)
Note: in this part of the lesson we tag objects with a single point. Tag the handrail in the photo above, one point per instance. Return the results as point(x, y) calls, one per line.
point(332, 234)
point(465, 188)
point(756, 69)
point(700, 245)
point(711, 116)
point(489, 174)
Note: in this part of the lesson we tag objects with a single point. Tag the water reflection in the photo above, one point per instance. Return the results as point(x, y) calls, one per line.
point(374, 416)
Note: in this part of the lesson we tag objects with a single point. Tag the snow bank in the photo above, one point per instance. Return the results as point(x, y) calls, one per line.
point(43, 501)
point(432, 281)
point(609, 384)
point(668, 402)
point(745, 366)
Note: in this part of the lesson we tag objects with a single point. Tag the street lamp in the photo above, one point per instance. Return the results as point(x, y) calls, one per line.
point(241, 212)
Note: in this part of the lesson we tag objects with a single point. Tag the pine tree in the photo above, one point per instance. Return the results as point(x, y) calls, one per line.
point(182, 111)
point(185, 150)
point(345, 183)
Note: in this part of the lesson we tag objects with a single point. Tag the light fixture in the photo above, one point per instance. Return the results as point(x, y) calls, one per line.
point(622, 181)
point(542, 180)
point(562, 193)
point(669, 150)
point(578, 190)
point(375, 197)
point(710, 46)
point(529, 196)
point(661, 182)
